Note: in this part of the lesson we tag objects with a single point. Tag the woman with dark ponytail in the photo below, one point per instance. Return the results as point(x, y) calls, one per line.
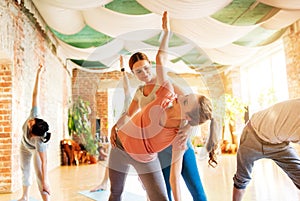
point(34, 145)
point(40, 129)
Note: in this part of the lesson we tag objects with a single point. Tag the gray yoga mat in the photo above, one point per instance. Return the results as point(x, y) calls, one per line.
point(30, 199)
point(103, 196)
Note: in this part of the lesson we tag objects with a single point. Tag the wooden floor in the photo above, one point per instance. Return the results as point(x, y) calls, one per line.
point(269, 183)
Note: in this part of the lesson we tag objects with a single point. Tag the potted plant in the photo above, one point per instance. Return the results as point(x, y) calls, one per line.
point(198, 143)
point(233, 111)
point(79, 126)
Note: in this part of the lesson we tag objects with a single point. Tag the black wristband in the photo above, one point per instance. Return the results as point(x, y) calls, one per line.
point(122, 69)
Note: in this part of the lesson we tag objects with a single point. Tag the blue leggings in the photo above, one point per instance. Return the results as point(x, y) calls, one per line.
point(189, 172)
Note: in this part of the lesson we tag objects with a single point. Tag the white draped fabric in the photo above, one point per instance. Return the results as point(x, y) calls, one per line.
point(68, 51)
point(140, 35)
point(66, 21)
point(285, 4)
point(231, 54)
point(114, 24)
point(188, 9)
point(141, 46)
point(234, 54)
point(209, 33)
point(281, 19)
point(107, 53)
point(179, 67)
point(190, 19)
point(77, 4)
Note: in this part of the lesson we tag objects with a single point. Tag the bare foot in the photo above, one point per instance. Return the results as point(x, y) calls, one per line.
point(23, 199)
point(100, 187)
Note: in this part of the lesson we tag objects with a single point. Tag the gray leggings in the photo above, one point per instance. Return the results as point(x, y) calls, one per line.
point(252, 148)
point(150, 174)
point(26, 166)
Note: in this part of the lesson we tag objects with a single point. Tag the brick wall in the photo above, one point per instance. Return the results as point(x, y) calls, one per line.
point(87, 86)
point(102, 110)
point(5, 127)
point(292, 51)
point(84, 86)
point(25, 46)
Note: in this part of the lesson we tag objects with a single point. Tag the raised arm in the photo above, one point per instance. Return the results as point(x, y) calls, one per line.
point(127, 101)
point(35, 94)
point(162, 54)
point(126, 86)
point(130, 106)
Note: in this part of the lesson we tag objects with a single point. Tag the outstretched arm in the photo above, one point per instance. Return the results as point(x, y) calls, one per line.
point(129, 107)
point(45, 183)
point(178, 150)
point(175, 173)
point(35, 93)
point(162, 54)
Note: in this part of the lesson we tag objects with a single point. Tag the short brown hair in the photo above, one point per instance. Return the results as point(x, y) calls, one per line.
point(137, 57)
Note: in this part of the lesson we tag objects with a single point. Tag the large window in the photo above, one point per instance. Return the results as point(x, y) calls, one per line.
point(264, 81)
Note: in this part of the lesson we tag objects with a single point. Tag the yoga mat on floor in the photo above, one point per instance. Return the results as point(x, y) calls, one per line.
point(30, 199)
point(103, 196)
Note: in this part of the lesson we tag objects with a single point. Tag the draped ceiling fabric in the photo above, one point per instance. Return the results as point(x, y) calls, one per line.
point(205, 32)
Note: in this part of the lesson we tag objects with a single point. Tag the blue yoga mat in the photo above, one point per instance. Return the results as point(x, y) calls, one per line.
point(103, 196)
